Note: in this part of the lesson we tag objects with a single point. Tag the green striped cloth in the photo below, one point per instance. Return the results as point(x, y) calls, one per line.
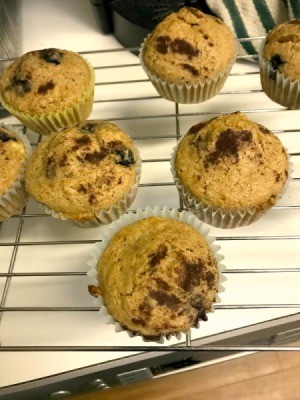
point(248, 18)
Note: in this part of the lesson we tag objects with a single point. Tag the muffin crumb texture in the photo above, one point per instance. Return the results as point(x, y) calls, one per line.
point(189, 46)
point(232, 163)
point(82, 170)
point(12, 158)
point(158, 276)
point(282, 50)
point(43, 81)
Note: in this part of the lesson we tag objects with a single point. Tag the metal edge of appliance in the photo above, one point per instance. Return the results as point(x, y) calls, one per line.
point(105, 375)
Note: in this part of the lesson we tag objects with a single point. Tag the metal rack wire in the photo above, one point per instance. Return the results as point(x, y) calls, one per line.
point(12, 275)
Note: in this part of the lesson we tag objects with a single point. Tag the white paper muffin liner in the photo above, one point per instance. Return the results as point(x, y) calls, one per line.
point(130, 218)
point(15, 197)
point(103, 217)
point(281, 89)
point(216, 216)
point(185, 93)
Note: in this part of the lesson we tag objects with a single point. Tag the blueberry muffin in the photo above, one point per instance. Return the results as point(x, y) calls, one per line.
point(158, 276)
point(229, 170)
point(188, 56)
point(279, 64)
point(14, 152)
point(48, 89)
point(88, 173)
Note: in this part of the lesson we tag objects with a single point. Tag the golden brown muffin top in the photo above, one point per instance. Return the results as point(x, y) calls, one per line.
point(282, 49)
point(231, 162)
point(189, 46)
point(46, 80)
point(12, 158)
point(158, 276)
point(82, 170)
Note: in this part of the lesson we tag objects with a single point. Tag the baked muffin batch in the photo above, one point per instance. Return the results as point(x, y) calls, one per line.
point(158, 273)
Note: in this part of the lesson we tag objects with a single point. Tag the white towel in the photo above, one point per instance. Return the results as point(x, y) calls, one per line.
point(248, 18)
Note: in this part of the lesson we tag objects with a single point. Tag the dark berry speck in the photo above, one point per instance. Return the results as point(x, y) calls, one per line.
point(124, 157)
point(21, 85)
point(88, 128)
point(48, 86)
point(6, 138)
point(276, 62)
point(51, 56)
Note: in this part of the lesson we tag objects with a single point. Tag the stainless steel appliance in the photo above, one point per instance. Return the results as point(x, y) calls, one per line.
point(130, 21)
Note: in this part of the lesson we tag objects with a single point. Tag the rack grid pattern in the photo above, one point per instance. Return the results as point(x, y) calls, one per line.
point(292, 207)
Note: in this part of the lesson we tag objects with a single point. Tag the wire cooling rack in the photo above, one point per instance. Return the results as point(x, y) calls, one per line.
point(43, 260)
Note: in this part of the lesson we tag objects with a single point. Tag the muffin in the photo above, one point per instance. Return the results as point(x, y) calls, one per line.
point(188, 56)
point(14, 152)
point(87, 174)
point(157, 273)
point(230, 170)
point(48, 89)
point(279, 64)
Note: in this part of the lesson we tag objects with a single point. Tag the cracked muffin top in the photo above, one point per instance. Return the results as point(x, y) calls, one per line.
point(12, 158)
point(82, 170)
point(282, 50)
point(189, 46)
point(158, 276)
point(43, 81)
point(231, 162)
